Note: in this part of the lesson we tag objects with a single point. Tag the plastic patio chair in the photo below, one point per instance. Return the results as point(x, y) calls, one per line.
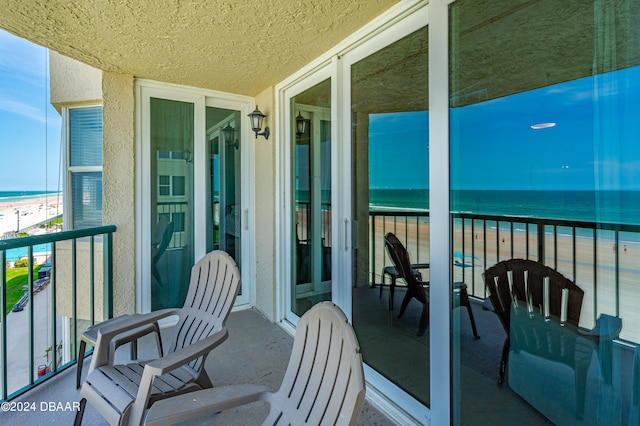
point(416, 288)
point(323, 384)
point(548, 333)
point(121, 393)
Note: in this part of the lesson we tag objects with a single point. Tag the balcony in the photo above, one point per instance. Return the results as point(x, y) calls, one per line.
point(241, 359)
point(598, 256)
point(78, 294)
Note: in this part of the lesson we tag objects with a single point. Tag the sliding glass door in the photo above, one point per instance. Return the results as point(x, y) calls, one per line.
point(544, 101)
point(191, 199)
point(311, 227)
point(171, 207)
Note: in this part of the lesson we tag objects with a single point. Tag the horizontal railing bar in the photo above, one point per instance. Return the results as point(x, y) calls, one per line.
point(58, 236)
point(606, 226)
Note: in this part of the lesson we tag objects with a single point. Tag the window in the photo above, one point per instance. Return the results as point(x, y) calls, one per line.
point(83, 206)
point(171, 186)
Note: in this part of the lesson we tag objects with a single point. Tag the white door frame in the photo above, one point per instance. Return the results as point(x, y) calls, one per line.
point(200, 98)
point(391, 26)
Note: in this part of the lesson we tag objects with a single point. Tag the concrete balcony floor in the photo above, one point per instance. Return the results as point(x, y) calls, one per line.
point(257, 351)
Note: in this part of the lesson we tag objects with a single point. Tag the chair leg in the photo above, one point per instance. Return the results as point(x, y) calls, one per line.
point(464, 300)
point(79, 363)
point(424, 319)
point(80, 413)
point(405, 302)
point(503, 361)
point(392, 288)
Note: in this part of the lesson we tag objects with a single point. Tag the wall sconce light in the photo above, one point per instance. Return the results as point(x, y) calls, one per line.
point(301, 125)
point(229, 136)
point(257, 118)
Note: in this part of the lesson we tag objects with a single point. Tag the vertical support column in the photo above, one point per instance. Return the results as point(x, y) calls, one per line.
point(441, 372)
point(31, 318)
point(108, 276)
point(52, 292)
point(74, 310)
point(3, 315)
point(91, 279)
point(541, 253)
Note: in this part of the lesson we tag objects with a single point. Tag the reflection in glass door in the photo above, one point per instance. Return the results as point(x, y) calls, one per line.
point(311, 222)
point(224, 202)
point(171, 145)
point(544, 154)
point(390, 182)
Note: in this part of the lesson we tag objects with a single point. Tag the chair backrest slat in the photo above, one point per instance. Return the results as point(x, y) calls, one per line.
point(213, 287)
point(324, 381)
point(502, 294)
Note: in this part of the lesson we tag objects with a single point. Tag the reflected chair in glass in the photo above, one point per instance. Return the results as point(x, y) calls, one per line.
point(159, 243)
point(122, 393)
point(539, 309)
point(419, 289)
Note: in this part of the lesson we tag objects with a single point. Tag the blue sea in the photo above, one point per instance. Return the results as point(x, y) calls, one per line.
point(8, 196)
point(592, 206)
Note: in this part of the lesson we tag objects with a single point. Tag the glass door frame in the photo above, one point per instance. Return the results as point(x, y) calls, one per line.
point(388, 28)
point(376, 381)
point(200, 98)
point(286, 207)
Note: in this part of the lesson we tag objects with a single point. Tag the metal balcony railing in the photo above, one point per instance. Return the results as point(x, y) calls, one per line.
point(602, 258)
point(72, 291)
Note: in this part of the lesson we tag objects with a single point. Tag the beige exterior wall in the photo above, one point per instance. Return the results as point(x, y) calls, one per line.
point(72, 82)
point(119, 183)
point(63, 279)
point(265, 205)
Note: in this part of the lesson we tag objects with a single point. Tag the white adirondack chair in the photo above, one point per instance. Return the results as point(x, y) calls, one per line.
point(122, 393)
point(323, 385)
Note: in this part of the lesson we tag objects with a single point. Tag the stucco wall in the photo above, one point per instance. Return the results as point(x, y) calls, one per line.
point(72, 82)
point(118, 177)
point(265, 197)
point(63, 279)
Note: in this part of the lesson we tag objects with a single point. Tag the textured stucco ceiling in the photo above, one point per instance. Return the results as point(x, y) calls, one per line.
point(240, 46)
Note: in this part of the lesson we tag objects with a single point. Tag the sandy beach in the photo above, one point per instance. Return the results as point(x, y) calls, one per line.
point(30, 211)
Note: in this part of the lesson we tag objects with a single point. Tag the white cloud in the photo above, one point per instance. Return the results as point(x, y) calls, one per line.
point(21, 108)
point(22, 59)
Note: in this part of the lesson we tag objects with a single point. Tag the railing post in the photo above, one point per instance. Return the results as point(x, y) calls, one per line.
point(31, 320)
point(52, 289)
point(107, 287)
point(3, 299)
point(372, 225)
point(541, 243)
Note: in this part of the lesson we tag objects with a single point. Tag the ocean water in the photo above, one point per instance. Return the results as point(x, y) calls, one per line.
point(621, 207)
point(19, 253)
point(7, 196)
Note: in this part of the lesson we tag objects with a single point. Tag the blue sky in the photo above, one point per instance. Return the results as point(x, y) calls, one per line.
point(594, 143)
point(29, 125)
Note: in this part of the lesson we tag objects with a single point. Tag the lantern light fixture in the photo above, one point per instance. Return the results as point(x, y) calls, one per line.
point(257, 118)
point(229, 136)
point(301, 125)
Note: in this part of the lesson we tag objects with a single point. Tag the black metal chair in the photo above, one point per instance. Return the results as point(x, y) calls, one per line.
point(419, 289)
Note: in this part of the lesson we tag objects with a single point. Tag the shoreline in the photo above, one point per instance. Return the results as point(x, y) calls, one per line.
point(28, 211)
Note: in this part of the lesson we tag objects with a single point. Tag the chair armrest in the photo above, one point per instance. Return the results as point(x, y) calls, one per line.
point(185, 355)
point(415, 266)
point(107, 333)
point(201, 403)
point(607, 327)
point(487, 305)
